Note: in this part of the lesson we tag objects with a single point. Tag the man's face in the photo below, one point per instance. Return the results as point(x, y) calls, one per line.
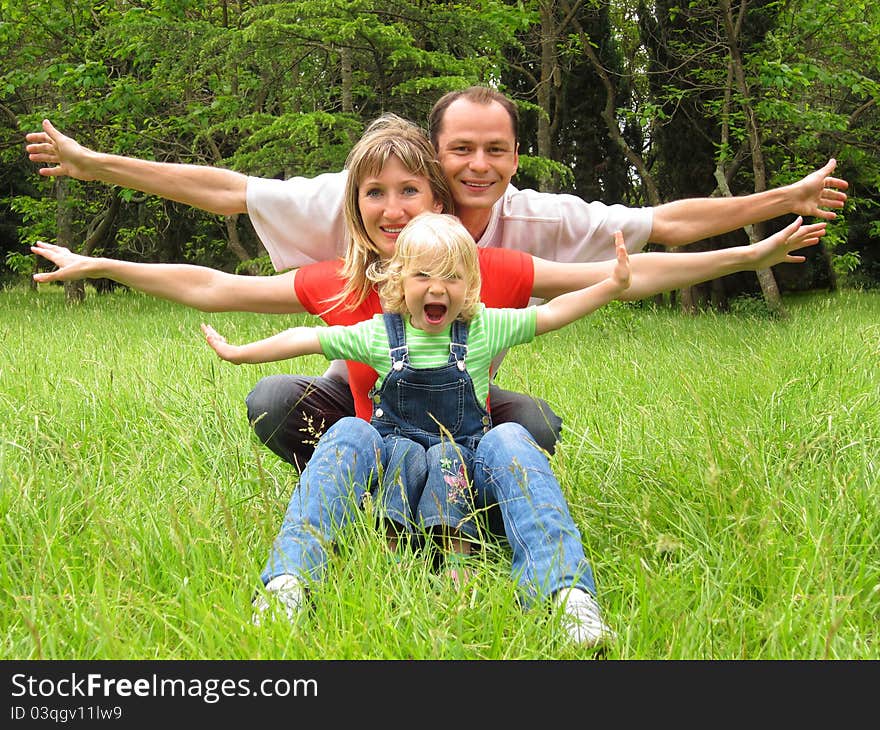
point(478, 152)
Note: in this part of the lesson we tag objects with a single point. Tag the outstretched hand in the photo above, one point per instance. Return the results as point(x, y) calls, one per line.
point(65, 153)
point(621, 275)
point(819, 191)
point(776, 249)
point(71, 266)
point(218, 343)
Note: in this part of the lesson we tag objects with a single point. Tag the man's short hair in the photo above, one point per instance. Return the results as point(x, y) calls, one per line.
point(476, 94)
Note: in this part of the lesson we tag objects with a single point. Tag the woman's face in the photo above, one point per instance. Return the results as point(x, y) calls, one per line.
point(389, 200)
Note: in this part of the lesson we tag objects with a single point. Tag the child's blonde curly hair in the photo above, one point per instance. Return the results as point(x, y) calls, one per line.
point(436, 244)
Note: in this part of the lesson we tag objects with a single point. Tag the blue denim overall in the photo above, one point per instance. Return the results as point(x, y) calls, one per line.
point(474, 469)
point(429, 405)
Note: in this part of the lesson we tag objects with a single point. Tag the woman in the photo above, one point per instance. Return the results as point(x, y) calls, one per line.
point(435, 343)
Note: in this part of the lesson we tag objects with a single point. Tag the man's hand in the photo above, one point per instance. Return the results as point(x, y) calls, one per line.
point(69, 157)
point(819, 191)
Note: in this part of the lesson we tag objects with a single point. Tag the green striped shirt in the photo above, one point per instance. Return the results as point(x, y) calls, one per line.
point(490, 332)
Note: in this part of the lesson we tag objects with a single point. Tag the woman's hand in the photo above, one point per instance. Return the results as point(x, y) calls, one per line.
point(71, 266)
point(776, 249)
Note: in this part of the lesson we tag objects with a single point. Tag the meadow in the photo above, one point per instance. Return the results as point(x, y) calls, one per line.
point(724, 470)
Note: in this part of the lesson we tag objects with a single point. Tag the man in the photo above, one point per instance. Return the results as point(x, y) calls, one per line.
point(474, 132)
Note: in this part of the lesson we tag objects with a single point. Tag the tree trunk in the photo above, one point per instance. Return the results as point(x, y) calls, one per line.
point(609, 112)
point(765, 276)
point(233, 240)
point(235, 244)
point(544, 90)
point(74, 291)
point(346, 72)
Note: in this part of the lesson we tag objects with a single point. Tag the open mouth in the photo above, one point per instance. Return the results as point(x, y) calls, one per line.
point(434, 313)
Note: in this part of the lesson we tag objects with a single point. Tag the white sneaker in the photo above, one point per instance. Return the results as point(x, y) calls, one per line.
point(287, 592)
point(582, 618)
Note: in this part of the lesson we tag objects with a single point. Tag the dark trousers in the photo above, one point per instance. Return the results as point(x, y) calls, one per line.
point(291, 412)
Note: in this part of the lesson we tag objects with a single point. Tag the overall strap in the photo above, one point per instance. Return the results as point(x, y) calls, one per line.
point(398, 352)
point(458, 346)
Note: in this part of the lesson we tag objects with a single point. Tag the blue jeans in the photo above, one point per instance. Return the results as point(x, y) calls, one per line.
point(510, 475)
point(350, 460)
point(289, 412)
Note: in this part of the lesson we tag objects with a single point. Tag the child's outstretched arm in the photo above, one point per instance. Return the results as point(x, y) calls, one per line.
point(566, 308)
point(290, 343)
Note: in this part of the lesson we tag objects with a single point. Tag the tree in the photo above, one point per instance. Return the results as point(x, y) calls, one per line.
point(560, 93)
point(273, 89)
point(623, 103)
point(759, 82)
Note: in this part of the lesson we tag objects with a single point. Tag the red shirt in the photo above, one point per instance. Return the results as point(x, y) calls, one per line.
point(507, 280)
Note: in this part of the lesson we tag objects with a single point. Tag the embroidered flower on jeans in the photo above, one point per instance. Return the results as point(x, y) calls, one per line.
point(455, 480)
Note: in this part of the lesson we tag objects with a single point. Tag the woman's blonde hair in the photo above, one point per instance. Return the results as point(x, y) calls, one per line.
point(387, 136)
point(436, 244)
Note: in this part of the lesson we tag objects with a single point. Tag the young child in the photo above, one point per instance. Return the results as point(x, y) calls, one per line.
point(436, 342)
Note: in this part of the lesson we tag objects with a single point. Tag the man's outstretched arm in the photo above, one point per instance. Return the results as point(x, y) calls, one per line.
point(213, 189)
point(817, 195)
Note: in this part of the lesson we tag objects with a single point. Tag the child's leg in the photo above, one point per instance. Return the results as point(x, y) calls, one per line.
point(548, 554)
point(446, 508)
point(404, 469)
point(329, 495)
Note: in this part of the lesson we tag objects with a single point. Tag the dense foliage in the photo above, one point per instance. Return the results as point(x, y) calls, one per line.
point(633, 104)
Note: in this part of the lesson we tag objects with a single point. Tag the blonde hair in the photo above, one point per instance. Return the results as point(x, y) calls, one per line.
point(436, 244)
point(387, 136)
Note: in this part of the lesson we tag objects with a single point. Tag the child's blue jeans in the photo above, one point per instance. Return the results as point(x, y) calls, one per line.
point(509, 475)
point(350, 460)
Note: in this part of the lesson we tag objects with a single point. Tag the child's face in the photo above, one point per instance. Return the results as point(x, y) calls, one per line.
point(433, 301)
point(389, 200)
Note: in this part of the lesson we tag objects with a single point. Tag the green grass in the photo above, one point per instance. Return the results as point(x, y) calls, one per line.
point(723, 470)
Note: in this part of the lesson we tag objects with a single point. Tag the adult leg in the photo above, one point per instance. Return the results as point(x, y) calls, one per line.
point(289, 413)
point(534, 414)
point(548, 555)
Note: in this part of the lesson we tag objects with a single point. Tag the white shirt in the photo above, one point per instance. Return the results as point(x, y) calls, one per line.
point(300, 221)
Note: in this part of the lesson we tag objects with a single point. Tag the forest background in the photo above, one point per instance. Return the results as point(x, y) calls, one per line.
point(636, 103)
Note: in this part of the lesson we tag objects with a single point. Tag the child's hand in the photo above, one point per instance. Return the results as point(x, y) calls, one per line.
point(621, 274)
point(218, 343)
